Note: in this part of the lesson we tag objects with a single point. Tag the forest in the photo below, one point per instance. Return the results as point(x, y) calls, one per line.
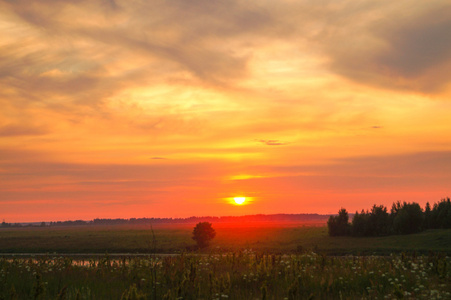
point(404, 218)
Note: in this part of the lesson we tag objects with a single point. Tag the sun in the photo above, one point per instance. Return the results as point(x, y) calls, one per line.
point(239, 200)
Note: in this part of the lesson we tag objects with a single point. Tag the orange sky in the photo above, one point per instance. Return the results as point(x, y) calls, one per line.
point(169, 108)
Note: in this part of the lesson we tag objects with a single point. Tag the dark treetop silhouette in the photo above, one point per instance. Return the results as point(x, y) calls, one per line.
point(203, 233)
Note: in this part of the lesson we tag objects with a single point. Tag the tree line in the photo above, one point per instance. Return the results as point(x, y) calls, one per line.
point(404, 218)
point(147, 221)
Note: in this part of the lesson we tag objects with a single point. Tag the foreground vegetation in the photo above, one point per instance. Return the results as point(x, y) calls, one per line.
point(240, 275)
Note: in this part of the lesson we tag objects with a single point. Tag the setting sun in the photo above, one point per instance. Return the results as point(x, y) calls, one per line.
point(239, 200)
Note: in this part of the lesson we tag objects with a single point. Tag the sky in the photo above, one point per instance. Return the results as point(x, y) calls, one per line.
point(170, 108)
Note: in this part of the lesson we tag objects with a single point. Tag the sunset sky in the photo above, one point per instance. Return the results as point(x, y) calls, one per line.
point(170, 108)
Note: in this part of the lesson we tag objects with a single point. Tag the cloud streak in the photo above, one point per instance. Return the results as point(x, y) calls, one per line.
point(271, 142)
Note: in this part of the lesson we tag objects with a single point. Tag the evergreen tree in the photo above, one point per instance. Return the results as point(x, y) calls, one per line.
point(427, 217)
point(378, 221)
point(359, 226)
point(339, 225)
point(408, 219)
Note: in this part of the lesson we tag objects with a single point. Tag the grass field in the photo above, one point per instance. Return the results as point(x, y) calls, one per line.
point(176, 238)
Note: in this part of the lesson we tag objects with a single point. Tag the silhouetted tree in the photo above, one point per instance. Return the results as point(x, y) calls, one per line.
point(378, 221)
point(374, 223)
point(359, 226)
point(203, 233)
point(441, 214)
point(339, 225)
point(409, 218)
point(427, 222)
point(4, 224)
point(404, 218)
point(395, 208)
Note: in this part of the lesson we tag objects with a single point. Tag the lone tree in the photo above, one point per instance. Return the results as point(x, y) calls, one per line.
point(203, 233)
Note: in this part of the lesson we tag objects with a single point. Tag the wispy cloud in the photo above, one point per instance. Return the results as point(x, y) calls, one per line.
point(272, 142)
point(21, 130)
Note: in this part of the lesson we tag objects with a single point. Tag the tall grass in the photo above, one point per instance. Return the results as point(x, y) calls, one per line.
point(237, 275)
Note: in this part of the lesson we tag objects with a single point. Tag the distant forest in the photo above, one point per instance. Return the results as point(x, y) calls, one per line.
point(147, 221)
point(404, 218)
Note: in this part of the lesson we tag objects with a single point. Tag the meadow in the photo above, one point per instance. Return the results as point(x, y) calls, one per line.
point(244, 261)
point(261, 237)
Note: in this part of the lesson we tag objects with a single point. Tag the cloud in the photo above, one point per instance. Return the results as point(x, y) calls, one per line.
point(396, 46)
point(44, 170)
point(190, 44)
point(21, 130)
point(419, 43)
point(272, 142)
point(418, 166)
point(73, 58)
point(97, 45)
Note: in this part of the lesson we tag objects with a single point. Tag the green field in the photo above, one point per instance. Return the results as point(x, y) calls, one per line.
point(176, 238)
